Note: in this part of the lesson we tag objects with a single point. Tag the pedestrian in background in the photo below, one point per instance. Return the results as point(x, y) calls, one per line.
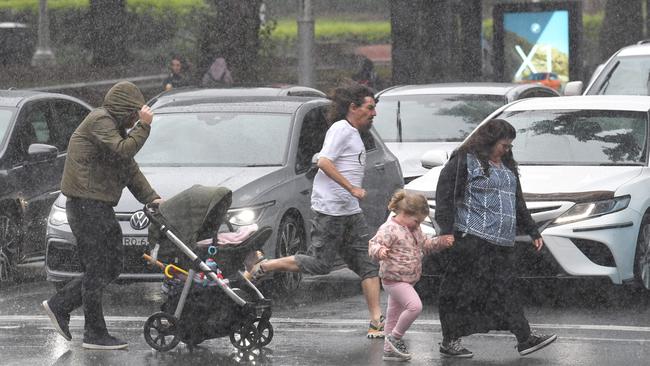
point(339, 226)
point(366, 74)
point(178, 76)
point(480, 205)
point(98, 166)
point(399, 246)
point(217, 75)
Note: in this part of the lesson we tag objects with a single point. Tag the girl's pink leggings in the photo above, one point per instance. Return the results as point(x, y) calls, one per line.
point(404, 306)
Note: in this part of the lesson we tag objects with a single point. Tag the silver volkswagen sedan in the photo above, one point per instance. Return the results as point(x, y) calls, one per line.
point(259, 147)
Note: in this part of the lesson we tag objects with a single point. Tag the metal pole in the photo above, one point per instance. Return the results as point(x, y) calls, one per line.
point(306, 44)
point(43, 55)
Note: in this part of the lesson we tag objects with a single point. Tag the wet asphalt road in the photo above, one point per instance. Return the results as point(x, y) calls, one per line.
point(325, 323)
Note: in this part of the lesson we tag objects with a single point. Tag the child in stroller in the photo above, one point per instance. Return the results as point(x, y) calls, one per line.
point(193, 312)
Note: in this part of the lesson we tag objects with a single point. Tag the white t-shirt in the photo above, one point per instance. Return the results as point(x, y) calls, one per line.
point(343, 146)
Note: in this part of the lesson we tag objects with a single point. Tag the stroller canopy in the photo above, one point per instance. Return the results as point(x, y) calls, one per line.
point(193, 214)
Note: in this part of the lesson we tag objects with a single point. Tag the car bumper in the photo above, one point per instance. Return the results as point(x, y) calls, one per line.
point(604, 246)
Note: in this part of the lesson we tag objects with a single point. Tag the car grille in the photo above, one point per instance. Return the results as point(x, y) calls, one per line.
point(63, 257)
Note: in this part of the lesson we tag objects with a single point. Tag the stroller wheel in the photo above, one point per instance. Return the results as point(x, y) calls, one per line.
point(245, 336)
point(160, 331)
point(265, 331)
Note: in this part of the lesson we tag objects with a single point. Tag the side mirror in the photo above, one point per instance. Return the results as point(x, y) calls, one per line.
point(41, 153)
point(434, 158)
point(573, 88)
point(313, 168)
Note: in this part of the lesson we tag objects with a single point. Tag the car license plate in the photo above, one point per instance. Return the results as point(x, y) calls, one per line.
point(133, 241)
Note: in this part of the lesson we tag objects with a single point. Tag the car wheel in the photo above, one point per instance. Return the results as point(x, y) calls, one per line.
point(9, 248)
point(291, 240)
point(642, 257)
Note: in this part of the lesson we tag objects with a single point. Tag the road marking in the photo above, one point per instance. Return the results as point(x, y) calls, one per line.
point(337, 322)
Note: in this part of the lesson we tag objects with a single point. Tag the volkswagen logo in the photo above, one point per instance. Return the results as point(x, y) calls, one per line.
point(139, 220)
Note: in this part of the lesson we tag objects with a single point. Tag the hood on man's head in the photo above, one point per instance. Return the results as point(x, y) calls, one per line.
point(123, 99)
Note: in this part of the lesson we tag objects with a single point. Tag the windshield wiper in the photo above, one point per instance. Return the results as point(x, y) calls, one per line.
point(605, 84)
point(260, 165)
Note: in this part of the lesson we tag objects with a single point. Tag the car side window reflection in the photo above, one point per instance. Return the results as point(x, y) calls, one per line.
point(312, 135)
point(34, 128)
point(68, 116)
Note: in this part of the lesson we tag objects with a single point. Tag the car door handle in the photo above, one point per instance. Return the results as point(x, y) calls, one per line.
point(379, 166)
point(305, 192)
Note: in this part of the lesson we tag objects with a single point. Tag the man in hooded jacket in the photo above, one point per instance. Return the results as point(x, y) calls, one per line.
point(98, 166)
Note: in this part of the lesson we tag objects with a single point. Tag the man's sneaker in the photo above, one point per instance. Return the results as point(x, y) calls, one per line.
point(59, 321)
point(376, 330)
point(535, 342)
point(256, 272)
point(393, 356)
point(106, 342)
point(398, 346)
point(453, 348)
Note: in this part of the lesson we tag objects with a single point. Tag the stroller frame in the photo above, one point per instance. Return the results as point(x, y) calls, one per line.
point(255, 331)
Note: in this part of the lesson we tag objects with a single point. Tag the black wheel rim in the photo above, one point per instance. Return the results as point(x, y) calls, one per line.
point(9, 237)
point(644, 257)
point(291, 241)
point(264, 330)
point(160, 332)
point(245, 337)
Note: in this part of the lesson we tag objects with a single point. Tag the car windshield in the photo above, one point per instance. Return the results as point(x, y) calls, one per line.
point(5, 123)
point(579, 137)
point(432, 118)
point(627, 76)
point(216, 139)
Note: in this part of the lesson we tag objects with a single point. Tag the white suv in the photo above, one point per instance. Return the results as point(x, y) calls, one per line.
point(627, 72)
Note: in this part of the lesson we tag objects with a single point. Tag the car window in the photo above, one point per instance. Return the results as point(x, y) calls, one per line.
point(432, 118)
point(68, 116)
point(537, 93)
point(368, 140)
point(37, 123)
point(579, 137)
point(626, 76)
point(217, 139)
point(312, 135)
point(6, 115)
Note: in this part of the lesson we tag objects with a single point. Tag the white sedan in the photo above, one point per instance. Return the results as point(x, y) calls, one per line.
point(583, 164)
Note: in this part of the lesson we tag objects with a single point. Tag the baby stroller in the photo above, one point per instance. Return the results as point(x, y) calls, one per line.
point(225, 304)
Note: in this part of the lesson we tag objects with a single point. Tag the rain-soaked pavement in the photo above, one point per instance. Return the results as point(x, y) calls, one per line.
point(324, 324)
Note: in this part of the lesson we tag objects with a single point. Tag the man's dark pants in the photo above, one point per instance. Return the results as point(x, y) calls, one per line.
point(100, 251)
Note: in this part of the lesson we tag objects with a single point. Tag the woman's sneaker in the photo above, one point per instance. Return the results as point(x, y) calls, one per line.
point(398, 346)
point(535, 342)
point(105, 342)
point(376, 330)
point(453, 348)
point(393, 356)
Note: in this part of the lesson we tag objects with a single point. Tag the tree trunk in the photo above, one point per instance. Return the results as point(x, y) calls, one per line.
point(109, 32)
point(231, 30)
point(622, 26)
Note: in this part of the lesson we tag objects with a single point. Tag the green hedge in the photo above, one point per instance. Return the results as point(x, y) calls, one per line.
point(177, 6)
point(332, 29)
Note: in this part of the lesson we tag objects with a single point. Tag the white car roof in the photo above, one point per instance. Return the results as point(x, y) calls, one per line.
point(636, 50)
point(594, 102)
point(452, 88)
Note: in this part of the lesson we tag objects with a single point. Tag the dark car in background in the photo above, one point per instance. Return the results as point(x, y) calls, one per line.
point(413, 119)
point(34, 131)
point(260, 147)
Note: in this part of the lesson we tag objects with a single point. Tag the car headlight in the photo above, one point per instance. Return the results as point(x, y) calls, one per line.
point(58, 216)
point(589, 210)
point(247, 215)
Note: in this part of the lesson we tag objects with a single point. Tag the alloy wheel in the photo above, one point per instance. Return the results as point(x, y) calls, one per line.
point(291, 240)
point(9, 248)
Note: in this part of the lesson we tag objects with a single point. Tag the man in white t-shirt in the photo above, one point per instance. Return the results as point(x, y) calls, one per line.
point(338, 226)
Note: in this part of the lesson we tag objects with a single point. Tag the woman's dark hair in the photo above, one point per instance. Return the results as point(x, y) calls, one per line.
point(484, 140)
point(342, 97)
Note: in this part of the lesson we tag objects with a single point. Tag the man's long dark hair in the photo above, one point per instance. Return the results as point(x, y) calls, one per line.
point(484, 140)
point(342, 97)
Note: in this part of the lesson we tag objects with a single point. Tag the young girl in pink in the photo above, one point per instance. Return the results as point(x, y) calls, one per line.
point(399, 246)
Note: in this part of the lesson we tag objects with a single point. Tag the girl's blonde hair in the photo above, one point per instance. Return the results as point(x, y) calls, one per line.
point(409, 203)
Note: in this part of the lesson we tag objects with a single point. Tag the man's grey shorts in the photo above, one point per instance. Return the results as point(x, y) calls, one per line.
point(346, 235)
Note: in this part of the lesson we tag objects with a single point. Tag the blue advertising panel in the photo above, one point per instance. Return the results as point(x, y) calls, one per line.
point(536, 43)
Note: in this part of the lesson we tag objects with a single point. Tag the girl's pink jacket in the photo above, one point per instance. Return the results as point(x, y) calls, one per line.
point(405, 250)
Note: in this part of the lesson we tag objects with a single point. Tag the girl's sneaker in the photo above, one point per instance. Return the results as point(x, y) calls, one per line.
point(398, 346)
point(392, 356)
